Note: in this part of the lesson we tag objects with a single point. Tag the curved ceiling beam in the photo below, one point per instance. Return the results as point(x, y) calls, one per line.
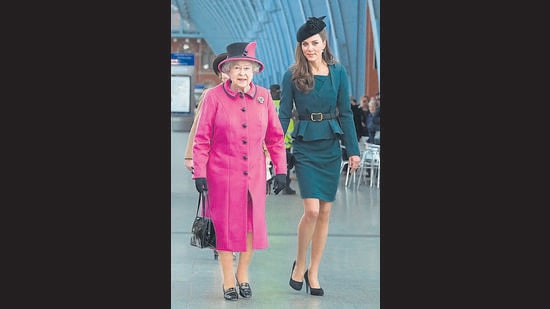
point(273, 24)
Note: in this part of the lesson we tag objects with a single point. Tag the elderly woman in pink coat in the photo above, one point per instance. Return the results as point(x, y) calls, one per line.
point(237, 119)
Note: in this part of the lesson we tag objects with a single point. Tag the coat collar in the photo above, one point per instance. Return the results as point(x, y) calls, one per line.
point(233, 94)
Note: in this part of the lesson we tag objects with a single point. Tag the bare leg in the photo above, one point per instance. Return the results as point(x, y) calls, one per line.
point(318, 242)
point(244, 260)
point(226, 263)
point(306, 227)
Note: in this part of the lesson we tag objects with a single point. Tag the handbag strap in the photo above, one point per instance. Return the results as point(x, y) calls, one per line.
point(202, 200)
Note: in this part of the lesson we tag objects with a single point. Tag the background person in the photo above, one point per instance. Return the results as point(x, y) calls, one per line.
point(356, 110)
point(236, 119)
point(317, 85)
point(290, 159)
point(364, 110)
point(189, 148)
point(373, 121)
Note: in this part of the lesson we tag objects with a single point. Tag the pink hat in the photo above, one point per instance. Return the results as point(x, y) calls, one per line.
point(241, 51)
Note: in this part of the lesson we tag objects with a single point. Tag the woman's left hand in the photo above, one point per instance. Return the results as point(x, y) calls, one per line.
point(354, 162)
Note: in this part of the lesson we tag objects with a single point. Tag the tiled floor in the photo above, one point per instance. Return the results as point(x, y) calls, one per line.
point(349, 271)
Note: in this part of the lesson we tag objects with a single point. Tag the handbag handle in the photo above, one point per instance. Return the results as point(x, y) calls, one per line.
point(202, 199)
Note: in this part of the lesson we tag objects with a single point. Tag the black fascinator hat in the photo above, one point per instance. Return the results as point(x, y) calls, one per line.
point(312, 26)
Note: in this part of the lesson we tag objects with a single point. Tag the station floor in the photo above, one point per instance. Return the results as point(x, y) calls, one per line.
point(350, 269)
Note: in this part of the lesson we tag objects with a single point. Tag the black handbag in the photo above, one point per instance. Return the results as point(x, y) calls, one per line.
point(203, 234)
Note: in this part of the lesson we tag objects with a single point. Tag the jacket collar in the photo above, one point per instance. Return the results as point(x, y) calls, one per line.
point(233, 94)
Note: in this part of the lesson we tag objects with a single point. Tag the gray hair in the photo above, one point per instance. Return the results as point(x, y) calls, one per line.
point(372, 101)
point(226, 67)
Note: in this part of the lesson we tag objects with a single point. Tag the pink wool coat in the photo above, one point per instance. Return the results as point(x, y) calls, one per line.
point(228, 152)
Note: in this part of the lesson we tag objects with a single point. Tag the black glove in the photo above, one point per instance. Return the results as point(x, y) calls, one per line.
point(200, 184)
point(279, 183)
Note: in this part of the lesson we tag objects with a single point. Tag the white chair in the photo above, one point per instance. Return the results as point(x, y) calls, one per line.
point(348, 179)
point(343, 163)
point(375, 168)
point(370, 160)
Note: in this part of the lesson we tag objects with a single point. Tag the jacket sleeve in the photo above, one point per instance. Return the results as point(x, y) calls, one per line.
point(189, 147)
point(287, 100)
point(274, 139)
point(349, 138)
point(203, 136)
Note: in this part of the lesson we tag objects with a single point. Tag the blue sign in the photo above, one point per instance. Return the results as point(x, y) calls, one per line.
point(182, 58)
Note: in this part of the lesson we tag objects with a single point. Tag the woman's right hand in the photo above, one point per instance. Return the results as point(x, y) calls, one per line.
point(189, 164)
point(354, 162)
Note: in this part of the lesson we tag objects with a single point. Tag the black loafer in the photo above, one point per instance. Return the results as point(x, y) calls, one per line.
point(230, 294)
point(245, 290)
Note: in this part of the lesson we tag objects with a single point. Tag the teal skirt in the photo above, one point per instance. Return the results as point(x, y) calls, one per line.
point(318, 167)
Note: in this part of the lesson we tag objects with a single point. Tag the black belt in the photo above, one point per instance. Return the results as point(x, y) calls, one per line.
point(316, 117)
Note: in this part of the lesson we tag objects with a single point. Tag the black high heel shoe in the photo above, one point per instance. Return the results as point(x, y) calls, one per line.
point(230, 294)
point(244, 289)
point(295, 284)
point(313, 291)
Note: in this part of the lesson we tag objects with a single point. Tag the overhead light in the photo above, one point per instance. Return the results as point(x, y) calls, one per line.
point(185, 46)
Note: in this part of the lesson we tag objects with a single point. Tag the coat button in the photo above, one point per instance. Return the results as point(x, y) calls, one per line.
point(245, 172)
point(245, 157)
point(244, 125)
point(244, 141)
point(243, 109)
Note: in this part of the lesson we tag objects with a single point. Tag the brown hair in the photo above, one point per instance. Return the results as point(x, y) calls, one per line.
point(303, 79)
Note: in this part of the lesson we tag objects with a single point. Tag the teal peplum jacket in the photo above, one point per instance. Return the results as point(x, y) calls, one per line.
point(317, 143)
